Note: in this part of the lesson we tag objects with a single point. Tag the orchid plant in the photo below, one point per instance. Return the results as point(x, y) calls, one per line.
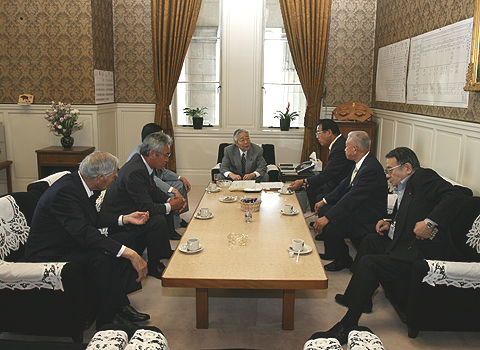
point(287, 114)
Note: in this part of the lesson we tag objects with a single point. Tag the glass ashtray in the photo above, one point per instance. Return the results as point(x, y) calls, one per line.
point(237, 238)
point(224, 183)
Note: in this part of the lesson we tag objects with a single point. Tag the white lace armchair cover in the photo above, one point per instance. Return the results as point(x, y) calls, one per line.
point(31, 275)
point(52, 178)
point(108, 340)
point(458, 274)
point(364, 340)
point(13, 226)
point(322, 344)
point(145, 339)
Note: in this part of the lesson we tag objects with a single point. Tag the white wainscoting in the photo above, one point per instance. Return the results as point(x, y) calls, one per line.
point(450, 147)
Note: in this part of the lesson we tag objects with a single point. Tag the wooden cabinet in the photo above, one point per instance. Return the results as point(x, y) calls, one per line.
point(56, 158)
point(345, 128)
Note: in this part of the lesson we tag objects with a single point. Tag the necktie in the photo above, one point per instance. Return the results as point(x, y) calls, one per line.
point(355, 171)
point(243, 163)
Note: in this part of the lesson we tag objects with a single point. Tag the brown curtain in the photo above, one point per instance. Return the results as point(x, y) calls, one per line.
point(173, 23)
point(307, 24)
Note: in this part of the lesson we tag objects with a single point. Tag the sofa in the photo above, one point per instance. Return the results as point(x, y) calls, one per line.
point(38, 298)
point(443, 296)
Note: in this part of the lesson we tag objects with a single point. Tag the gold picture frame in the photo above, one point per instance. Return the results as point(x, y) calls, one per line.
point(473, 79)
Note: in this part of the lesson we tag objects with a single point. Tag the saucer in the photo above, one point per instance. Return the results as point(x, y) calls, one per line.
point(228, 199)
point(197, 216)
point(306, 249)
point(286, 193)
point(183, 249)
point(295, 212)
point(213, 191)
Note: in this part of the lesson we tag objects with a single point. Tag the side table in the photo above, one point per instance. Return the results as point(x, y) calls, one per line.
point(57, 157)
point(6, 165)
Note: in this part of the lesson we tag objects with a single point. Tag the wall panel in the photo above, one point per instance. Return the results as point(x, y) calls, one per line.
point(423, 144)
point(447, 153)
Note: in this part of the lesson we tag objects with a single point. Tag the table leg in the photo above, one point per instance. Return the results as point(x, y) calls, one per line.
point(9, 179)
point(288, 309)
point(202, 308)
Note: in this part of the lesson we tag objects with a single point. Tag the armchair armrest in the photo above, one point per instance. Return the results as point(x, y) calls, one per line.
point(108, 339)
point(452, 273)
point(31, 275)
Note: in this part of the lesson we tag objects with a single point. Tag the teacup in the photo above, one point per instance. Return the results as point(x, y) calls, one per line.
point(212, 187)
point(193, 244)
point(204, 212)
point(297, 244)
point(285, 189)
point(288, 209)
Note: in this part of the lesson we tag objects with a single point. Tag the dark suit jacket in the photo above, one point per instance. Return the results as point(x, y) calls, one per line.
point(254, 160)
point(426, 195)
point(66, 221)
point(337, 168)
point(134, 190)
point(365, 198)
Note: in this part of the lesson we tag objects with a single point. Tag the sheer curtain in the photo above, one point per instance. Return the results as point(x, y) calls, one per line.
point(307, 24)
point(173, 23)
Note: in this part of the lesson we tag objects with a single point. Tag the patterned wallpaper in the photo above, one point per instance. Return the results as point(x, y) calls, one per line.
point(349, 70)
point(133, 51)
point(399, 20)
point(102, 29)
point(46, 50)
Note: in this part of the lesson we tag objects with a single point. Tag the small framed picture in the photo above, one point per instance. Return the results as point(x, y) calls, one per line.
point(25, 98)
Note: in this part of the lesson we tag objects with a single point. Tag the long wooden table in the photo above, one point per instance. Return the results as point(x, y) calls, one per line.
point(263, 263)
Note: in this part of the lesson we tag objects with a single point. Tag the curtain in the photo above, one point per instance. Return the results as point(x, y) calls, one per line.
point(173, 23)
point(307, 24)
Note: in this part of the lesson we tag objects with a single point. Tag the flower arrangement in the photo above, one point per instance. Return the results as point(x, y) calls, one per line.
point(286, 114)
point(63, 120)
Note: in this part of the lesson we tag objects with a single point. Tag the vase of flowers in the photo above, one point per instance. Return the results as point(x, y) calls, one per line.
point(285, 118)
point(63, 121)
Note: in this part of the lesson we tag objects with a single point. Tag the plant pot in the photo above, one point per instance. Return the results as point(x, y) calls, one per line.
point(67, 142)
point(284, 124)
point(197, 122)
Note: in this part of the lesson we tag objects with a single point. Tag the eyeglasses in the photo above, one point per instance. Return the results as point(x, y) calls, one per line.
point(317, 134)
point(166, 154)
point(389, 171)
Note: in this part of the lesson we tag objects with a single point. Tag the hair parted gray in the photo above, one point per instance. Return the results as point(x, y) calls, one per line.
point(238, 131)
point(98, 163)
point(360, 139)
point(155, 142)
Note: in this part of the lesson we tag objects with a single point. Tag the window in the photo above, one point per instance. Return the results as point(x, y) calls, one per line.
point(280, 80)
point(199, 82)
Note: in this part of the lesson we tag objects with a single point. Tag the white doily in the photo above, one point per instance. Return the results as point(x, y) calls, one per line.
point(474, 235)
point(145, 339)
point(322, 344)
point(13, 226)
point(458, 274)
point(361, 340)
point(31, 275)
point(111, 339)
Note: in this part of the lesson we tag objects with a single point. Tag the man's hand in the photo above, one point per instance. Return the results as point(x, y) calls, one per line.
point(137, 262)
point(319, 206)
point(320, 224)
point(187, 185)
point(296, 185)
point(422, 231)
point(234, 177)
point(382, 227)
point(176, 192)
point(136, 218)
point(177, 203)
point(250, 176)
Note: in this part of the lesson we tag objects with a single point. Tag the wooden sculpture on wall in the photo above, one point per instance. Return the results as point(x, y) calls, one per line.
point(353, 111)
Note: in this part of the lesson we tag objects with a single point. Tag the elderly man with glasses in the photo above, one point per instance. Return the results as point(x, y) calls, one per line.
point(135, 189)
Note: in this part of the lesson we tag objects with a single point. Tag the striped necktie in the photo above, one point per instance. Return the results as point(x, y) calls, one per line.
point(243, 163)
point(354, 173)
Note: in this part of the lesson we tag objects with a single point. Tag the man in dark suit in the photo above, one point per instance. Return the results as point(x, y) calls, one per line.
point(335, 170)
point(65, 227)
point(243, 160)
point(418, 229)
point(135, 189)
point(359, 201)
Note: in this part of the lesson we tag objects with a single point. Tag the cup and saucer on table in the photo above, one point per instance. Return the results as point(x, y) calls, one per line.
point(299, 247)
point(193, 246)
point(288, 209)
point(203, 214)
point(286, 190)
point(213, 188)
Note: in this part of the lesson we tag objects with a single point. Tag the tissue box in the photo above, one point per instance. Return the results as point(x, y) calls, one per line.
point(318, 165)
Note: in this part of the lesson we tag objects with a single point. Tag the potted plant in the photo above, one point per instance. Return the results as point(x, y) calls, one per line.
point(197, 115)
point(285, 118)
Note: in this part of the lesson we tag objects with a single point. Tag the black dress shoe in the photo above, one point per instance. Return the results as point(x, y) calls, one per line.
point(326, 257)
point(339, 332)
point(183, 223)
point(156, 270)
point(174, 236)
point(339, 264)
point(319, 237)
point(340, 299)
point(129, 327)
point(133, 315)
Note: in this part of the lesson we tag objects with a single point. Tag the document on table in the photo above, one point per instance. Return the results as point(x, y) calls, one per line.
point(271, 185)
point(242, 184)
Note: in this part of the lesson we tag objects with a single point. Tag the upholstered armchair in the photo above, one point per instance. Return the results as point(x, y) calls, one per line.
point(37, 298)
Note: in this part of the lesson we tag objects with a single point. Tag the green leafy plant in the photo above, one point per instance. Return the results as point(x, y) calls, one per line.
point(286, 114)
point(195, 112)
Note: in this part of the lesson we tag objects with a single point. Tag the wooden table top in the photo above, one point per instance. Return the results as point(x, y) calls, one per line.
point(263, 263)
